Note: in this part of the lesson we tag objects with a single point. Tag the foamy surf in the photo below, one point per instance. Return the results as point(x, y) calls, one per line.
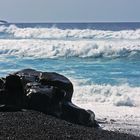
point(55, 33)
point(62, 48)
point(117, 108)
point(122, 95)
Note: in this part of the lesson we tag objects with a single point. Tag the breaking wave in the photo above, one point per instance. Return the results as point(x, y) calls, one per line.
point(82, 49)
point(122, 95)
point(55, 33)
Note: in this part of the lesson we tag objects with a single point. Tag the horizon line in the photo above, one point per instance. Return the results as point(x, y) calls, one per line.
point(75, 22)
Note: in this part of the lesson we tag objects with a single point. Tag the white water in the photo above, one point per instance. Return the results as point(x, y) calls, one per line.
point(122, 95)
point(117, 108)
point(81, 48)
point(69, 33)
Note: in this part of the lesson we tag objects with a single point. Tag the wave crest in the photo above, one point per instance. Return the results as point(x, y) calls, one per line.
point(122, 95)
point(55, 33)
point(81, 49)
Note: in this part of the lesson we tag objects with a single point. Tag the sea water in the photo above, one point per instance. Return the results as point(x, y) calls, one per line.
point(101, 59)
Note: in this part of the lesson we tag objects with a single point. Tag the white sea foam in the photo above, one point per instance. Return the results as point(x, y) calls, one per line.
point(122, 95)
point(56, 33)
point(117, 108)
point(61, 48)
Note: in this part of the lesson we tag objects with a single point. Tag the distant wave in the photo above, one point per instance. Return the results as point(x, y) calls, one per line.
point(82, 49)
point(13, 31)
point(3, 22)
point(122, 95)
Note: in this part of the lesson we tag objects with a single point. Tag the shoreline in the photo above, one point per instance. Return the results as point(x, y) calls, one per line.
point(121, 119)
point(35, 125)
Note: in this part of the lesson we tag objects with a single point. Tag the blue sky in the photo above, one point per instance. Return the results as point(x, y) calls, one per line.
point(70, 10)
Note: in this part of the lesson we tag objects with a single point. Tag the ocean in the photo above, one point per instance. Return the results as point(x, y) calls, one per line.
point(101, 59)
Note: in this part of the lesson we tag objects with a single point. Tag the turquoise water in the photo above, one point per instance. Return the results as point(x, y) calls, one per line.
point(113, 72)
point(98, 54)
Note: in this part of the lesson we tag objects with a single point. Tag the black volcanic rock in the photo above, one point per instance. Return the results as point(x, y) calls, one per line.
point(57, 80)
point(47, 92)
point(1, 83)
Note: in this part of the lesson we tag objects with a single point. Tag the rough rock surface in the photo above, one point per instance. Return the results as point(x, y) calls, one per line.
point(47, 92)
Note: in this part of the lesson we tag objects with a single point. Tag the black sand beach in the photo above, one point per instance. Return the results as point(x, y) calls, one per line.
point(37, 126)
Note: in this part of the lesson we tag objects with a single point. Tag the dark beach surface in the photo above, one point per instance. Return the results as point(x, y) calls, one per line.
point(34, 125)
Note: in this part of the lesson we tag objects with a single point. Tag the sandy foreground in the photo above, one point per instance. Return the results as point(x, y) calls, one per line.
point(33, 125)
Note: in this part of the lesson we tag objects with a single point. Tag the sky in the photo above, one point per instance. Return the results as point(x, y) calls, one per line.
point(70, 10)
